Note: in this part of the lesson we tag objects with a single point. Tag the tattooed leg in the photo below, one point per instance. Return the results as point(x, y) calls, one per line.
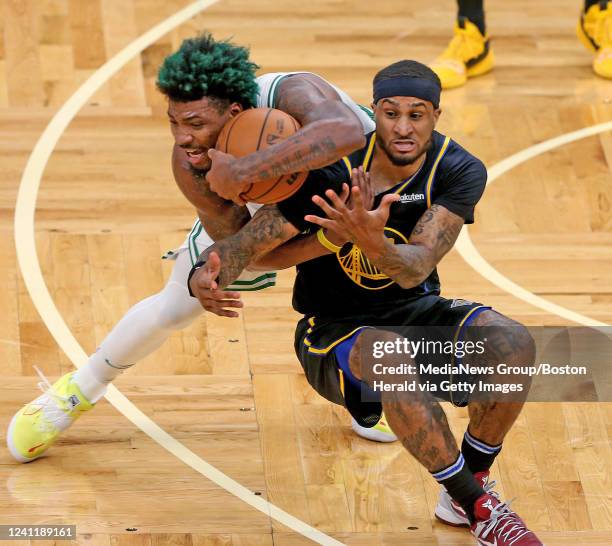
point(416, 418)
point(491, 417)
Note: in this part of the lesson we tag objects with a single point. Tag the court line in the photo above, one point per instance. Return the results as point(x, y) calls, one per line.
point(32, 275)
point(474, 259)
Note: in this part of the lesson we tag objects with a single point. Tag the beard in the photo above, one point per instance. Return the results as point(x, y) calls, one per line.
point(200, 174)
point(403, 160)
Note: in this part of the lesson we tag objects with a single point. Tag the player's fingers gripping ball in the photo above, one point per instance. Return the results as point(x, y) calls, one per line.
point(257, 129)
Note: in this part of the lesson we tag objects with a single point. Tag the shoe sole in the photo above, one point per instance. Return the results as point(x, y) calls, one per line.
point(373, 435)
point(444, 515)
point(9, 442)
point(480, 69)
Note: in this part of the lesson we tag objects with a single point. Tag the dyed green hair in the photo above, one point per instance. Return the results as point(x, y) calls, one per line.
point(203, 67)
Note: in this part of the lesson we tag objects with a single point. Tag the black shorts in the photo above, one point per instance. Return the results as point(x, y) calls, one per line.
point(320, 343)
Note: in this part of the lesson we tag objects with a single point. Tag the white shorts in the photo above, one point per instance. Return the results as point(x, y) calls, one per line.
point(198, 240)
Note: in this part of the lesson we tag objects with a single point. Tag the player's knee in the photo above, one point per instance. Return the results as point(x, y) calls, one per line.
point(525, 343)
point(354, 359)
point(510, 338)
point(368, 350)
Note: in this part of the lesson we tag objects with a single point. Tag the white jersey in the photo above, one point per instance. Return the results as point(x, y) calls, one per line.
point(198, 240)
point(268, 91)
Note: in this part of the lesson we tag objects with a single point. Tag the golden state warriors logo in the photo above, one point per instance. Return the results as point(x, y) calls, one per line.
point(359, 269)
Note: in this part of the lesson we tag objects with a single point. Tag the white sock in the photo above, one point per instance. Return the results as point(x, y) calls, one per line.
point(141, 331)
point(89, 384)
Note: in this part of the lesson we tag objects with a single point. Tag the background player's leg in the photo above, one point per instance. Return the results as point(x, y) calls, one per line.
point(589, 3)
point(474, 11)
point(468, 53)
point(594, 30)
point(142, 330)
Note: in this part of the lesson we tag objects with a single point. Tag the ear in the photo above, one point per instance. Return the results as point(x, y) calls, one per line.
point(235, 109)
point(436, 114)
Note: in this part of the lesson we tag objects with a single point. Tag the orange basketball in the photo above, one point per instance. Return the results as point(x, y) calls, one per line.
point(257, 129)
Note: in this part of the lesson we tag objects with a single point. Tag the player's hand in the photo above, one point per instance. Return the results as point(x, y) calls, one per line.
point(336, 237)
point(222, 178)
point(361, 179)
point(365, 228)
point(204, 287)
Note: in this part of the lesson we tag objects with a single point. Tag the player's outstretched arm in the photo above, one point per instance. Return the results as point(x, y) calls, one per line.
point(267, 229)
point(330, 130)
point(305, 248)
point(407, 264)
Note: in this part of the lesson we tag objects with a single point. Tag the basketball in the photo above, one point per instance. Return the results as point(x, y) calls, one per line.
point(257, 129)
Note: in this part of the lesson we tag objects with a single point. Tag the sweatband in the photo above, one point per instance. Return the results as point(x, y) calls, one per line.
point(404, 86)
point(327, 243)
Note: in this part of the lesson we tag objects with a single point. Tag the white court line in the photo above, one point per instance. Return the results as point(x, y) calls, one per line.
point(470, 254)
point(35, 284)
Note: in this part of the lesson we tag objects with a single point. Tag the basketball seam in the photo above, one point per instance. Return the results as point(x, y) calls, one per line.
point(263, 128)
point(279, 179)
point(281, 197)
point(236, 119)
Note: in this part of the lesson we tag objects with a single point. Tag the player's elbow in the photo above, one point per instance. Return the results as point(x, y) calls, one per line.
point(413, 280)
point(351, 128)
point(418, 272)
point(338, 121)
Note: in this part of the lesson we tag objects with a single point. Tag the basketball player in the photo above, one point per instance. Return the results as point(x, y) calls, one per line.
point(206, 82)
point(469, 53)
point(384, 282)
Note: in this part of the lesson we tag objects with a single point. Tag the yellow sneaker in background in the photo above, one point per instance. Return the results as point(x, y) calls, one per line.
point(380, 432)
point(38, 425)
point(468, 55)
point(594, 30)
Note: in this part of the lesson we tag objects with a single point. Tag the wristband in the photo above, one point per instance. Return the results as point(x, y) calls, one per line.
point(327, 243)
point(195, 267)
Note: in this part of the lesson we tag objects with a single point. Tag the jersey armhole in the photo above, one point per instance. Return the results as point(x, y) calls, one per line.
point(273, 93)
point(347, 164)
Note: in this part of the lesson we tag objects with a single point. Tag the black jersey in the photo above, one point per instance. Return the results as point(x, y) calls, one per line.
point(347, 284)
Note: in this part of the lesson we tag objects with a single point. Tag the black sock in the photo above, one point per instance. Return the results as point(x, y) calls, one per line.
point(589, 3)
point(460, 484)
point(474, 11)
point(478, 455)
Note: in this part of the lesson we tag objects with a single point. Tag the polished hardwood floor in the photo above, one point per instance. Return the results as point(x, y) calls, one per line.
point(232, 390)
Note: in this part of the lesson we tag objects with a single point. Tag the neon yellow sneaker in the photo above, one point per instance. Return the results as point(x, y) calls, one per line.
point(594, 30)
point(468, 55)
point(38, 425)
point(380, 432)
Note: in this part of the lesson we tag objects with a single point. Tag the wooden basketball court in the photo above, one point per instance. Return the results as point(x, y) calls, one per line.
point(232, 391)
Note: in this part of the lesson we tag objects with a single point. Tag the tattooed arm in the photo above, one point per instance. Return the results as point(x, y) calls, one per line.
point(330, 130)
point(219, 217)
point(296, 251)
point(407, 264)
point(267, 229)
point(410, 264)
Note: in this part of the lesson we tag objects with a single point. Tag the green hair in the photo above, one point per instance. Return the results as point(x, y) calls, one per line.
point(203, 67)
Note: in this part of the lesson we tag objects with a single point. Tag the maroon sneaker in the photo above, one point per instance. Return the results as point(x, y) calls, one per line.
point(451, 512)
point(497, 525)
